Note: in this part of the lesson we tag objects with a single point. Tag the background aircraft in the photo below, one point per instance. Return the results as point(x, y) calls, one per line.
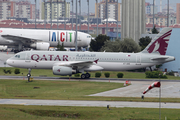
point(68, 63)
point(42, 39)
point(3, 47)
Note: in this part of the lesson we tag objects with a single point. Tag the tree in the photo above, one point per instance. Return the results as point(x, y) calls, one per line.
point(127, 45)
point(144, 41)
point(60, 47)
point(111, 46)
point(154, 30)
point(99, 41)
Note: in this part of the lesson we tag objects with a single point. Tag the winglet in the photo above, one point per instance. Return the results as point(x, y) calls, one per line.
point(96, 61)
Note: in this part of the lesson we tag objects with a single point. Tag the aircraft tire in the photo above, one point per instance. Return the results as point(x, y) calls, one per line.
point(88, 75)
point(83, 76)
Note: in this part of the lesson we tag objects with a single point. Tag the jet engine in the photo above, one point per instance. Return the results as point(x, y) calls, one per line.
point(40, 45)
point(61, 70)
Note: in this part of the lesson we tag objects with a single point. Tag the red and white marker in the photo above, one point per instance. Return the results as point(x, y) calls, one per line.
point(155, 84)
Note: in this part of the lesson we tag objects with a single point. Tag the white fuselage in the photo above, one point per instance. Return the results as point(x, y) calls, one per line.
point(49, 36)
point(108, 61)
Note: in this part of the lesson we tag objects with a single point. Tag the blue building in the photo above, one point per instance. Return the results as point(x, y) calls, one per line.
point(113, 35)
point(173, 50)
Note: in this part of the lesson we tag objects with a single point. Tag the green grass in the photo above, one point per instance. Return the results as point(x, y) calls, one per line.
point(18, 112)
point(49, 73)
point(65, 90)
point(73, 90)
point(53, 89)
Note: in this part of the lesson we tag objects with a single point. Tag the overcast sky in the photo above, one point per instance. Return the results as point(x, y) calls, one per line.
point(92, 4)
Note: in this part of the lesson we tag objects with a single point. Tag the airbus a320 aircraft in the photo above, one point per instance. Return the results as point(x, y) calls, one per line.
point(42, 39)
point(68, 63)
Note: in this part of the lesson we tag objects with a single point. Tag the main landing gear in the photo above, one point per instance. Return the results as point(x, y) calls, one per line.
point(84, 76)
point(29, 75)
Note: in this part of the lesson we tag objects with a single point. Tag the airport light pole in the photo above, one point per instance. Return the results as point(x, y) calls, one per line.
point(76, 24)
point(51, 12)
point(168, 13)
point(117, 20)
point(57, 15)
point(44, 15)
point(65, 15)
point(88, 14)
point(160, 101)
point(97, 18)
point(79, 14)
point(35, 14)
point(153, 13)
point(72, 16)
point(106, 17)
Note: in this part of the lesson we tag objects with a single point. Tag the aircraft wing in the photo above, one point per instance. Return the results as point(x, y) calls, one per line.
point(81, 65)
point(160, 58)
point(19, 38)
point(75, 63)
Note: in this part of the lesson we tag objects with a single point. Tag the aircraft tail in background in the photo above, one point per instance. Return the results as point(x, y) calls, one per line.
point(160, 43)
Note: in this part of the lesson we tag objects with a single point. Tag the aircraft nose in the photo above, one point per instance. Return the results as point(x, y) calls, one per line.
point(9, 62)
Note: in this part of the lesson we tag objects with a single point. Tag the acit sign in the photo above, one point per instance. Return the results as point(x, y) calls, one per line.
point(61, 36)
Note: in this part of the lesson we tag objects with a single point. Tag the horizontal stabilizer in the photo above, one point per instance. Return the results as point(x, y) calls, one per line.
point(160, 58)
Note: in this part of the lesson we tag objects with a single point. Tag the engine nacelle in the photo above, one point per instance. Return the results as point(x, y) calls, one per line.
point(61, 70)
point(40, 45)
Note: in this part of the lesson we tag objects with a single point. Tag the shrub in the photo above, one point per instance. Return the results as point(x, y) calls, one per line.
point(98, 74)
point(16, 71)
point(170, 73)
point(155, 74)
point(7, 71)
point(106, 74)
point(76, 75)
point(120, 75)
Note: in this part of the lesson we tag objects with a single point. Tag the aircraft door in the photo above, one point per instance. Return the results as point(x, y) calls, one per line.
point(73, 58)
point(28, 57)
point(138, 60)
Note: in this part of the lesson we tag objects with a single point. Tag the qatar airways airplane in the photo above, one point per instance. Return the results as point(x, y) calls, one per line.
point(42, 39)
point(68, 63)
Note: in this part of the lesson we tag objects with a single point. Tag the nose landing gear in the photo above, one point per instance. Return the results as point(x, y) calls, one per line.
point(29, 75)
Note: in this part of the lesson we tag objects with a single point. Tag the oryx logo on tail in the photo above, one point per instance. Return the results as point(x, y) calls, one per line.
point(160, 44)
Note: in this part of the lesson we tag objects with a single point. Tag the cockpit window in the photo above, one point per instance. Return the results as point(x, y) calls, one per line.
point(17, 56)
point(88, 36)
